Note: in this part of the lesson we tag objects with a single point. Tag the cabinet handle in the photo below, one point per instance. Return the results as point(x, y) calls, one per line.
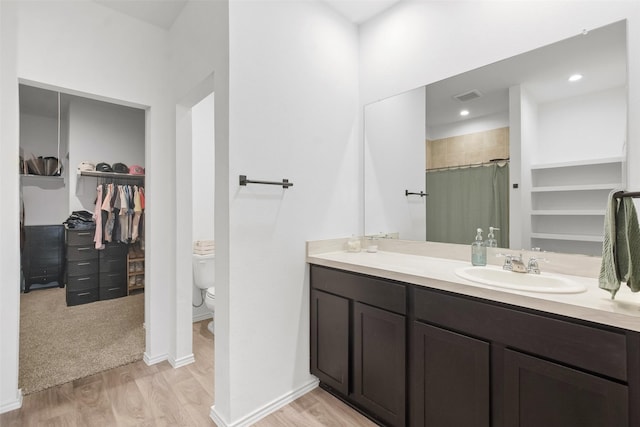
point(84, 278)
point(84, 249)
point(113, 289)
point(84, 263)
point(84, 234)
point(84, 293)
point(114, 275)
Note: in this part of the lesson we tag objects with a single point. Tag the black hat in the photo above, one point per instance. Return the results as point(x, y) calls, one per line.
point(103, 167)
point(120, 168)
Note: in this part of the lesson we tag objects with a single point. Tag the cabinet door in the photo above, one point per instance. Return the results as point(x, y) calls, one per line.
point(330, 340)
point(541, 393)
point(379, 362)
point(450, 378)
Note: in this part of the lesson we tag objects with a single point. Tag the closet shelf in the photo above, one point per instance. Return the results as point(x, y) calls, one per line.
point(571, 237)
point(568, 212)
point(581, 187)
point(31, 177)
point(579, 163)
point(109, 175)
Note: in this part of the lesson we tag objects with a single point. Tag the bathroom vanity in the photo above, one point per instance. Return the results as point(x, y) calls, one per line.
point(410, 347)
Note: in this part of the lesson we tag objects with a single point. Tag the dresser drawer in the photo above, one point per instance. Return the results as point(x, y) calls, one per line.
point(113, 279)
point(88, 281)
point(114, 251)
point(82, 268)
point(81, 253)
point(82, 296)
point(80, 237)
point(109, 292)
point(109, 265)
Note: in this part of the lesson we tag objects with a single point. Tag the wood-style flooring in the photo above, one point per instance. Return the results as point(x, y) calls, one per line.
point(159, 395)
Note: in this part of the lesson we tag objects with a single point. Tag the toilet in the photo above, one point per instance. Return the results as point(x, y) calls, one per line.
point(204, 269)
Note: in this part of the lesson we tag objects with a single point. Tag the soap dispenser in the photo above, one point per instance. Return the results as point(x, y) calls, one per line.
point(491, 239)
point(478, 250)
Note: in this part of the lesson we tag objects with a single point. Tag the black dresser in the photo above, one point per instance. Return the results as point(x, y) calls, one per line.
point(43, 255)
point(83, 267)
point(93, 274)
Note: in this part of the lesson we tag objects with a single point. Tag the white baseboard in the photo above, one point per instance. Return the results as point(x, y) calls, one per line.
point(149, 360)
point(12, 405)
point(267, 409)
point(182, 361)
point(202, 316)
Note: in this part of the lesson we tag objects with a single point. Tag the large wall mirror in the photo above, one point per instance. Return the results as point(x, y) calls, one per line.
point(531, 145)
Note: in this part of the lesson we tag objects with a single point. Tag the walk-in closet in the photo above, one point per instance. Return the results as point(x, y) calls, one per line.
point(82, 232)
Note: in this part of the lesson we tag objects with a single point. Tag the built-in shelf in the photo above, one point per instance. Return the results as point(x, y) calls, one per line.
point(573, 237)
point(583, 187)
point(578, 163)
point(568, 202)
point(30, 177)
point(575, 212)
point(109, 175)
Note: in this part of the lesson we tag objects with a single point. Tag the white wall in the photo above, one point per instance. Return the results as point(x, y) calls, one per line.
point(394, 135)
point(101, 132)
point(586, 127)
point(293, 114)
point(84, 48)
point(465, 127)
point(203, 181)
point(45, 200)
point(420, 42)
point(10, 396)
point(199, 64)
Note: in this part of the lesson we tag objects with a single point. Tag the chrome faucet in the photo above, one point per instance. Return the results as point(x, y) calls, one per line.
point(532, 265)
point(513, 263)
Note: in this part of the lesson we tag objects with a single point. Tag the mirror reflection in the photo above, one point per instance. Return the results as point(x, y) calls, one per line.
point(531, 145)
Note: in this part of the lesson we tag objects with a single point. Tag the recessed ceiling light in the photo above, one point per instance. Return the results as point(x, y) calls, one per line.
point(575, 77)
point(464, 112)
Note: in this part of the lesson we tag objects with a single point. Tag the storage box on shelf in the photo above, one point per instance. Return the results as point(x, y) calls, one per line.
point(568, 202)
point(135, 268)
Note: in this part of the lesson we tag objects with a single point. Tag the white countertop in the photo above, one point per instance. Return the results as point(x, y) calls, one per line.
point(593, 305)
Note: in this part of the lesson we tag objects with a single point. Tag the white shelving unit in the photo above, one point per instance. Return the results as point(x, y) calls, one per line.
point(568, 202)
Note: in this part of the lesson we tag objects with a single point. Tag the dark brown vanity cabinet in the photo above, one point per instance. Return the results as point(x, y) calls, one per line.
point(411, 355)
point(508, 367)
point(358, 341)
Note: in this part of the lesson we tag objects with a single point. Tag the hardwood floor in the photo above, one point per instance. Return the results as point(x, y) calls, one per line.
point(158, 395)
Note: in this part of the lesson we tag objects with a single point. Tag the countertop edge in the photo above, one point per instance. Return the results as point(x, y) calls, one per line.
point(602, 317)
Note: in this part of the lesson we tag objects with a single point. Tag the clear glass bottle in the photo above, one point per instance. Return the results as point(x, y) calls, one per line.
point(478, 250)
point(491, 241)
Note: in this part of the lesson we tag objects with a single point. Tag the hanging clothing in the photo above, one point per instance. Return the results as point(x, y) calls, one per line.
point(97, 217)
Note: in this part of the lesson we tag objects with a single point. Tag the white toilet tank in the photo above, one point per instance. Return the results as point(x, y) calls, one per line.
point(204, 270)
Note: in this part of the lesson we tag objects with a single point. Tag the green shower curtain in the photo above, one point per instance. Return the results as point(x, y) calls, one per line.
point(463, 199)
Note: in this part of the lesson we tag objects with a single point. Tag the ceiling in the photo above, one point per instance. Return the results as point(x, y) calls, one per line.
point(163, 13)
point(600, 56)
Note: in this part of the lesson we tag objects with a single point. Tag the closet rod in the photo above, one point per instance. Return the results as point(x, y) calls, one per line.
point(490, 162)
point(285, 182)
point(621, 194)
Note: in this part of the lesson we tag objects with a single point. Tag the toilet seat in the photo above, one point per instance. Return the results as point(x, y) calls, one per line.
point(211, 292)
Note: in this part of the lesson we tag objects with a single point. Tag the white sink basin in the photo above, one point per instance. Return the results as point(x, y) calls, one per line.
point(543, 282)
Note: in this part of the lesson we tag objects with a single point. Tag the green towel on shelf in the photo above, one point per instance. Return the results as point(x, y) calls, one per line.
point(621, 246)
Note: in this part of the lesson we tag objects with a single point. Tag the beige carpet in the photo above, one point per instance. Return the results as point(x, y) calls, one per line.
point(59, 344)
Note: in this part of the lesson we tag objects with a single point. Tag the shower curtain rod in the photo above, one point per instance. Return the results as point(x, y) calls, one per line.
point(469, 165)
point(621, 194)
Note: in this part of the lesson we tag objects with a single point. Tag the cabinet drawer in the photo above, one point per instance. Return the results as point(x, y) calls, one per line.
point(82, 268)
point(111, 279)
point(113, 265)
point(80, 237)
point(369, 290)
point(81, 253)
point(82, 296)
point(38, 235)
point(114, 251)
point(586, 347)
point(110, 292)
point(84, 282)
